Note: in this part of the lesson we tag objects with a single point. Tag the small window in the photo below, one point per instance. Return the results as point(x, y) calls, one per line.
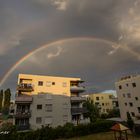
point(49, 96)
point(48, 83)
point(102, 104)
point(127, 85)
point(120, 87)
point(48, 107)
point(39, 106)
point(125, 104)
point(40, 83)
point(53, 83)
point(40, 95)
point(107, 110)
point(138, 109)
point(38, 120)
point(133, 114)
point(124, 95)
point(110, 96)
point(128, 95)
point(96, 103)
point(134, 84)
point(64, 93)
point(65, 118)
point(136, 98)
point(131, 104)
point(97, 98)
point(48, 120)
point(64, 84)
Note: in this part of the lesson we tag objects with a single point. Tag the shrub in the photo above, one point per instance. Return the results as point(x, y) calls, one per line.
point(66, 131)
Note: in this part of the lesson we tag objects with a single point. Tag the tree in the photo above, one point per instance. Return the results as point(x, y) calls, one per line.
point(113, 113)
point(130, 121)
point(7, 98)
point(93, 111)
point(1, 99)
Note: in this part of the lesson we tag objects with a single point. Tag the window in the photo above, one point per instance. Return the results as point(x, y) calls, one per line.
point(125, 104)
point(102, 97)
point(53, 83)
point(48, 107)
point(127, 85)
point(38, 120)
point(39, 106)
point(134, 84)
point(64, 84)
point(128, 95)
point(40, 95)
point(48, 83)
point(124, 95)
point(96, 103)
point(49, 96)
point(64, 93)
point(110, 96)
point(97, 98)
point(131, 104)
point(120, 87)
point(102, 104)
point(48, 120)
point(40, 83)
point(138, 109)
point(136, 98)
point(133, 114)
point(65, 118)
point(107, 110)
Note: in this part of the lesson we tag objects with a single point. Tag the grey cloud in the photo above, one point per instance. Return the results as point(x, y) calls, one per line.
point(33, 23)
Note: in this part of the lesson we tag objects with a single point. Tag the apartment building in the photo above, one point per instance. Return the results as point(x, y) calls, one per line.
point(47, 100)
point(128, 91)
point(104, 101)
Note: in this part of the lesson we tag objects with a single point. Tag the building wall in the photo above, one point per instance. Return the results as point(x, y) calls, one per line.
point(128, 91)
point(58, 113)
point(58, 88)
point(55, 91)
point(104, 100)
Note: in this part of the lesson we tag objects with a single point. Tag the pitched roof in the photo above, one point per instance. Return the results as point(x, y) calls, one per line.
point(119, 127)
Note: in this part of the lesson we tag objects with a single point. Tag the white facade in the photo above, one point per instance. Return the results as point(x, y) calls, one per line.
point(104, 101)
point(128, 92)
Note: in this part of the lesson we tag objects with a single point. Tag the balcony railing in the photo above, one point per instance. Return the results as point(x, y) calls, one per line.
point(76, 89)
point(78, 99)
point(78, 110)
point(23, 99)
point(23, 127)
point(25, 87)
point(23, 114)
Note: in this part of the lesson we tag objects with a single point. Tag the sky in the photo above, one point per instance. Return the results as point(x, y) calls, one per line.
point(97, 40)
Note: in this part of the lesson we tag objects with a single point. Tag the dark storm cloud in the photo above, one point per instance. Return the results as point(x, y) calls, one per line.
point(26, 25)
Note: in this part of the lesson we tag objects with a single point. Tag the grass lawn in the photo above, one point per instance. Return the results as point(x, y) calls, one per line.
point(102, 136)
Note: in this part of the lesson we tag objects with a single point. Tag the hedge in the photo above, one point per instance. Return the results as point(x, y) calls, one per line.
point(66, 131)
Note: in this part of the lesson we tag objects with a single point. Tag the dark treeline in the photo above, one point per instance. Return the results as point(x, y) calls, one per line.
point(5, 97)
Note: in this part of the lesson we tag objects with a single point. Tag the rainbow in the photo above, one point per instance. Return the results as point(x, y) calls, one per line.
point(9, 72)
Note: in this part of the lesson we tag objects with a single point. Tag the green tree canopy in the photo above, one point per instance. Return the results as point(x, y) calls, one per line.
point(93, 111)
point(1, 99)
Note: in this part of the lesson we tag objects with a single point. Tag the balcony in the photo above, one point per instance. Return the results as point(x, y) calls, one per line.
point(24, 114)
point(23, 127)
point(25, 87)
point(77, 89)
point(77, 99)
point(24, 99)
point(78, 110)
